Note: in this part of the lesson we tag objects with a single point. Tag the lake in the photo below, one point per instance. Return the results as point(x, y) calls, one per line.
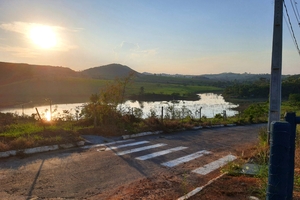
point(210, 104)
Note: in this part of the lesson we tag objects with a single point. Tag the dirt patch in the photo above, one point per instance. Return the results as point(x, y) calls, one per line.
point(231, 187)
point(167, 187)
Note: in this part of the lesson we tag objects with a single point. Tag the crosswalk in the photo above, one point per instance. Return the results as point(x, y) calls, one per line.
point(135, 146)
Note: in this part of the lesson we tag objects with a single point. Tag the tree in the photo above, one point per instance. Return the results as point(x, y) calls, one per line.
point(294, 99)
point(105, 107)
point(142, 91)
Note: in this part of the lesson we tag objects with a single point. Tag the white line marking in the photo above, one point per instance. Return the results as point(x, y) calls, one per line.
point(214, 165)
point(106, 144)
point(198, 189)
point(160, 153)
point(187, 158)
point(126, 145)
point(140, 149)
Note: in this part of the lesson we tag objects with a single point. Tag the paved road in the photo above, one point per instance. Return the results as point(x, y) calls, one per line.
point(171, 163)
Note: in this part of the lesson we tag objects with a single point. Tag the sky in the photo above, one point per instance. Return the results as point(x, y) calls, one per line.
point(189, 37)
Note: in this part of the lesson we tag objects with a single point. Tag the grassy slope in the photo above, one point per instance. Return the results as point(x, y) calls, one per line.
point(72, 89)
point(166, 88)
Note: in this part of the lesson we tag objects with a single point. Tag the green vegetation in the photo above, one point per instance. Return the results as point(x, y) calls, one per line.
point(74, 89)
point(260, 88)
point(19, 132)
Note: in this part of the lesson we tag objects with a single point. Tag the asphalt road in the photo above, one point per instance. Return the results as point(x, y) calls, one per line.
point(104, 172)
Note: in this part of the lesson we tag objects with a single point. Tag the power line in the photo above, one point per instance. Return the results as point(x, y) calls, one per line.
point(295, 11)
point(291, 29)
point(296, 8)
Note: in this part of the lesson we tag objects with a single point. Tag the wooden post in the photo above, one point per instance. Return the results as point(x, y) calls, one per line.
point(162, 114)
point(38, 114)
point(40, 118)
point(200, 113)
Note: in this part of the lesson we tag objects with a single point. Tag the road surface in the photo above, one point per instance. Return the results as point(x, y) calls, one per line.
point(164, 166)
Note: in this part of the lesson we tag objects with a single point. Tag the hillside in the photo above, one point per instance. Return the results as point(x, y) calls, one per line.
point(16, 72)
point(110, 71)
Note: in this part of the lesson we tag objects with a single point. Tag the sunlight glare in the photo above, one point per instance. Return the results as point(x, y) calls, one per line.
point(48, 116)
point(43, 36)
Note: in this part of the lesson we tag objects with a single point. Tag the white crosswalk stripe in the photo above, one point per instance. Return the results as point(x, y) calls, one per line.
point(106, 144)
point(201, 170)
point(160, 153)
point(187, 158)
point(126, 145)
point(214, 165)
point(140, 149)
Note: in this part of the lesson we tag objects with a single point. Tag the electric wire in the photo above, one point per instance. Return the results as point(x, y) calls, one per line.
point(287, 24)
point(297, 8)
point(295, 11)
point(291, 28)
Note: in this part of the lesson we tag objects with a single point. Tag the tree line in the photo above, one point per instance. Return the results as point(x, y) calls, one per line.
point(260, 88)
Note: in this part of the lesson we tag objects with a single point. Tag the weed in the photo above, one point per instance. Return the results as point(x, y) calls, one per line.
point(37, 137)
point(297, 180)
point(184, 184)
point(233, 168)
point(58, 138)
point(262, 175)
point(263, 136)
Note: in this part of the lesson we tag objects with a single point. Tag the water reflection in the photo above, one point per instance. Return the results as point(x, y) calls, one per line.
point(210, 104)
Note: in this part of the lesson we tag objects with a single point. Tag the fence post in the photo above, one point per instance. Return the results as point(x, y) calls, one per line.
point(200, 112)
point(292, 119)
point(279, 157)
point(162, 114)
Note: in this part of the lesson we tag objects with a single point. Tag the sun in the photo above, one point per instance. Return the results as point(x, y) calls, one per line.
point(48, 116)
point(43, 36)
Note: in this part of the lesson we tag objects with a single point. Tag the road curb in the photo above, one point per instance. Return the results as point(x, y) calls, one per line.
point(39, 149)
point(140, 134)
point(158, 132)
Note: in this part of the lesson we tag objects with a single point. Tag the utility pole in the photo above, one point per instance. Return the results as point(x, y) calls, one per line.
point(276, 66)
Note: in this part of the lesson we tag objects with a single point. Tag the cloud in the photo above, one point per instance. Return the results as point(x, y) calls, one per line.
point(131, 51)
point(127, 47)
point(18, 27)
point(20, 51)
point(24, 28)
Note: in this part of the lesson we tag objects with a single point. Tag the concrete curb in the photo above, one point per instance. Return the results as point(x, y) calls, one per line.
point(140, 134)
point(39, 149)
point(158, 132)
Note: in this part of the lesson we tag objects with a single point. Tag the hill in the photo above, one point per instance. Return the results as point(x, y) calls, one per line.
point(16, 72)
point(110, 71)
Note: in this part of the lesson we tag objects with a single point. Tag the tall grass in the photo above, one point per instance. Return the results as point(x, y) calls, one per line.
point(20, 129)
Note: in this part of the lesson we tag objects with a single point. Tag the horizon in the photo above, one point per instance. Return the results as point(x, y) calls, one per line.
point(162, 73)
point(172, 37)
